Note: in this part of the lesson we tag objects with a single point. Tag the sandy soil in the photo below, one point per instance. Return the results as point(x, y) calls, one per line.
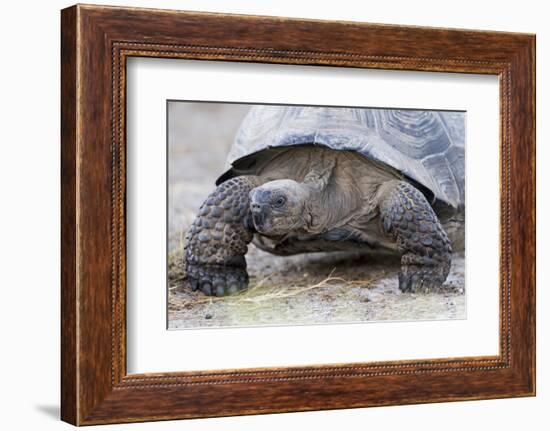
point(306, 289)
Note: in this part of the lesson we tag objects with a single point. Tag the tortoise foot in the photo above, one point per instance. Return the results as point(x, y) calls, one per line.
point(422, 274)
point(216, 280)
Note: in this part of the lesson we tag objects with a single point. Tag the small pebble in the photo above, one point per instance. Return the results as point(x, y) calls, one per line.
point(208, 316)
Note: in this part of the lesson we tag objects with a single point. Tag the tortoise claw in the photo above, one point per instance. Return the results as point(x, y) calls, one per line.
point(216, 280)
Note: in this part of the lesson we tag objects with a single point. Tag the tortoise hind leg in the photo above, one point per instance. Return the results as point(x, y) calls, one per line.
point(218, 240)
point(408, 218)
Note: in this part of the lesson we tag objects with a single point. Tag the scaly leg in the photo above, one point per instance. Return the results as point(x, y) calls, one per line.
point(409, 219)
point(218, 240)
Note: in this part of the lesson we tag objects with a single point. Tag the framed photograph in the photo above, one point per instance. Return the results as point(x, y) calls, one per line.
point(318, 215)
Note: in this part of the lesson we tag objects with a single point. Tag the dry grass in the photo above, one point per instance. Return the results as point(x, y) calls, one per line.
point(176, 273)
point(261, 292)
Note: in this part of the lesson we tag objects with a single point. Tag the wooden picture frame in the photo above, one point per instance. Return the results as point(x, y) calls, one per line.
point(95, 43)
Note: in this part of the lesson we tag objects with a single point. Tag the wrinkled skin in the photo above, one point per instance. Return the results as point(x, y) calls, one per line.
point(318, 199)
point(279, 207)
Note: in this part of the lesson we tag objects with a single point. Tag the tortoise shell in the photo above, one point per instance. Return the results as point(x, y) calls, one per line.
point(426, 146)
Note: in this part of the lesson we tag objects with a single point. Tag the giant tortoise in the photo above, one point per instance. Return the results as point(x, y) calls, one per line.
point(308, 179)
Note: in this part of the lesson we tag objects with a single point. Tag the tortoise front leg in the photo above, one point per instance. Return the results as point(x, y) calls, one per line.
point(218, 239)
point(409, 219)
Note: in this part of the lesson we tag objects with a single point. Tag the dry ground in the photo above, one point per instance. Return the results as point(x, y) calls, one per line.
point(313, 289)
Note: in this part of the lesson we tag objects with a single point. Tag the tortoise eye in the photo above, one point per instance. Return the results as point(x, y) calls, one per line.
point(279, 201)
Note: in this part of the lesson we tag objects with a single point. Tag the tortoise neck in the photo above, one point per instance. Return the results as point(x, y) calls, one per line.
point(326, 204)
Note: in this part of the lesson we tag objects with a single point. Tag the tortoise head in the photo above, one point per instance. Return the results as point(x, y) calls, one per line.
point(279, 207)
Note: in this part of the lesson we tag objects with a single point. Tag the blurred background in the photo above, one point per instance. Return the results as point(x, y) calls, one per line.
point(199, 138)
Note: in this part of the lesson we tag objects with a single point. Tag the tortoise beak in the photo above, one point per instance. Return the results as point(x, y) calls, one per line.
point(260, 208)
point(259, 215)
